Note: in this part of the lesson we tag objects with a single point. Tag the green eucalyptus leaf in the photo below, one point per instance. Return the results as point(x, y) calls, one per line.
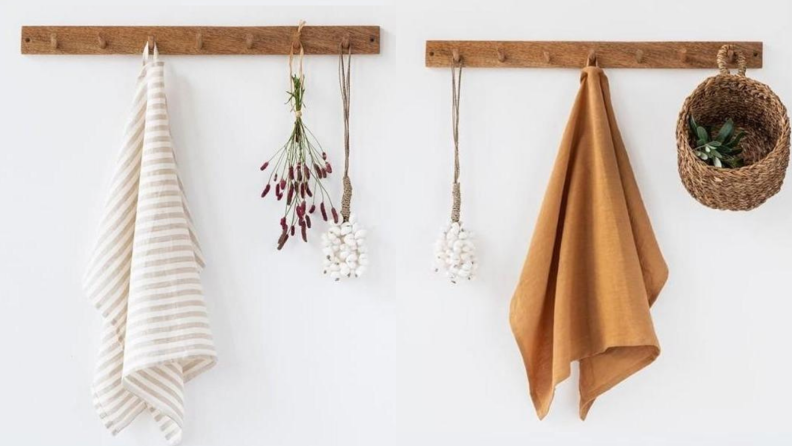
point(714, 144)
point(737, 139)
point(692, 124)
point(725, 131)
point(726, 151)
point(730, 136)
point(702, 133)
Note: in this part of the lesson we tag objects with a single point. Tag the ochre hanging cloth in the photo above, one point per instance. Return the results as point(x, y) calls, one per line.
point(593, 268)
point(144, 276)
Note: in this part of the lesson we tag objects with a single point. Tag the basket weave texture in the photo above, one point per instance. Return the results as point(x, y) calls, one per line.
point(755, 109)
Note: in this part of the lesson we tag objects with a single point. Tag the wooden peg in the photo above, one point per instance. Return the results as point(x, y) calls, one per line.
point(683, 55)
point(455, 55)
point(501, 55)
point(639, 56)
point(102, 42)
point(546, 56)
point(249, 41)
point(151, 42)
point(199, 41)
point(54, 41)
point(345, 42)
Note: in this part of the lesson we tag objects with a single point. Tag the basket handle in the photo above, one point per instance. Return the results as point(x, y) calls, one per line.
point(724, 58)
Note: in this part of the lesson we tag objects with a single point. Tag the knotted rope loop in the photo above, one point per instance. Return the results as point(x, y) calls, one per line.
point(345, 81)
point(456, 89)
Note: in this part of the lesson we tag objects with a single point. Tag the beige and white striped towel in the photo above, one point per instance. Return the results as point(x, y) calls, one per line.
point(144, 279)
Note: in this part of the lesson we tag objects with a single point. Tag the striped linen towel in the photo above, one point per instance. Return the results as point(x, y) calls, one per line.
point(143, 276)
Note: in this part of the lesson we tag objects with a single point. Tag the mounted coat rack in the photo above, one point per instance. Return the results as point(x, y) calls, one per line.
point(199, 40)
point(518, 54)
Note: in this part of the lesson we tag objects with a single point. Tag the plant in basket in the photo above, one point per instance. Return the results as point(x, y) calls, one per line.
point(722, 167)
point(722, 150)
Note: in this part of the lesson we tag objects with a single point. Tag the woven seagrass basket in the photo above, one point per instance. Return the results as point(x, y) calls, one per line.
point(755, 109)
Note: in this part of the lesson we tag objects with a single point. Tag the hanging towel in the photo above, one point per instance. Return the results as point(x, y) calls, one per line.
point(593, 268)
point(144, 279)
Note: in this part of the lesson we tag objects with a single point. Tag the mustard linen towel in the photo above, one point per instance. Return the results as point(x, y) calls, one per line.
point(593, 268)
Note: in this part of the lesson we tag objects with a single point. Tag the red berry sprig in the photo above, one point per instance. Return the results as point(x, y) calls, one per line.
point(299, 168)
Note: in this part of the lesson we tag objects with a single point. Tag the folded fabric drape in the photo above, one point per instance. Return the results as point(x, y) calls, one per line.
point(144, 278)
point(593, 268)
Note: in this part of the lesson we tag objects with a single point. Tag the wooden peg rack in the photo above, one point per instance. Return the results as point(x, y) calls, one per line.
point(198, 40)
point(517, 54)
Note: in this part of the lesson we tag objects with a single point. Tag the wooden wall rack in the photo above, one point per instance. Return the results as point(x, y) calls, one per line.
point(538, 54)
point(198, 40)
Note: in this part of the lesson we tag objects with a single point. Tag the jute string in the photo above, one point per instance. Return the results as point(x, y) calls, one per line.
point(456, 89)
point(725, 56)
point(344, 80)
point(297, 113)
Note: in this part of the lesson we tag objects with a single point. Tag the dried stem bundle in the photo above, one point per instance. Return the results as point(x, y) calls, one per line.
point(299, 168)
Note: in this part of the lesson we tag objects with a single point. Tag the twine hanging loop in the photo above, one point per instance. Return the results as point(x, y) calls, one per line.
point(345, 80)
point(456, 89)
point(297, 43)
point(726, 54)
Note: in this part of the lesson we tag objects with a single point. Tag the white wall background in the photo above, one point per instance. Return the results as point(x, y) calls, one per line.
point(400, 357)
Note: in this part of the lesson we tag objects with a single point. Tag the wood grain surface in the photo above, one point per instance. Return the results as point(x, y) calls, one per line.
point(517, 54)
point(197, 40)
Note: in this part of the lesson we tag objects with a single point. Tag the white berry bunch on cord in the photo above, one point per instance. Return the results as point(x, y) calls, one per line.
point(455, 253)
point(344, 248)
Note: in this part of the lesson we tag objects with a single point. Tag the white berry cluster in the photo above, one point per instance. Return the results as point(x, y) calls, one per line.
point(455, 253)
point(344, 248)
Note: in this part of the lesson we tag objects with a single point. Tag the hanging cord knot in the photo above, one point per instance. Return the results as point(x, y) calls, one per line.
point(346, 199)
point(456, 89)
point(344, 80)
point(456, 207)
point(297, 43)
